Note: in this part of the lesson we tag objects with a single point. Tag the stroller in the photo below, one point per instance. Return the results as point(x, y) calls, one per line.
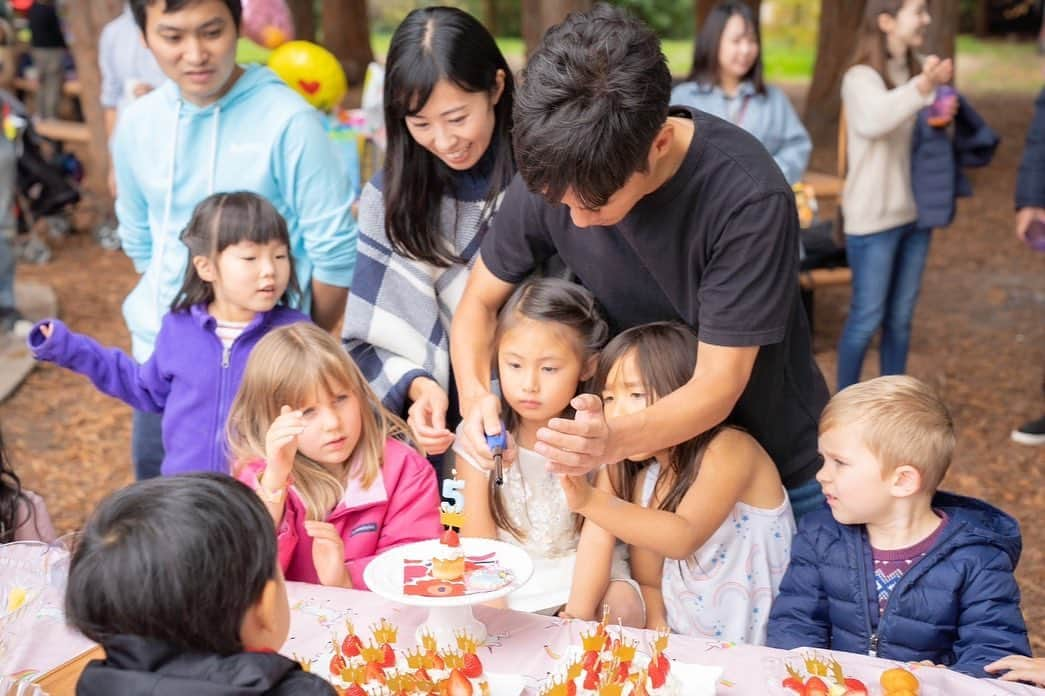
point(46, 188)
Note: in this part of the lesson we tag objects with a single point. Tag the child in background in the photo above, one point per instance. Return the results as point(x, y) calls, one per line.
point(548, 337)
point(882, 94)
point(23, 515)
point(894, 568)
point(708, 521)
point(327, 459)
point(200, 611)
point(726, 81)
point(234, 292)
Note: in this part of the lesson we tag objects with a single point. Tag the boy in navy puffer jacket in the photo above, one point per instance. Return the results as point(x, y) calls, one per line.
point(894, 568)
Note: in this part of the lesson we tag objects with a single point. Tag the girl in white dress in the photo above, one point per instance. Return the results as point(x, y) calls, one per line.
point(548, 337)
point(709, 522)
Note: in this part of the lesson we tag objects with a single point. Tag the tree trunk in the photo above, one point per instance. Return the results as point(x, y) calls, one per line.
point(839, 22)
point(346, 33)
point(490, 15)
point(982, 19)
point(86, 20)
point(702, 8)
point(304, 15)
point(538, 15)
point(943, 31)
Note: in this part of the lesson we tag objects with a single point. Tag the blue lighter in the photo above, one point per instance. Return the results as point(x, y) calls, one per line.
point(497, 444)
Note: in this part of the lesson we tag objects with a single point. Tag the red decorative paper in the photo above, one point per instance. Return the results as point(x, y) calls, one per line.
point(481, 574)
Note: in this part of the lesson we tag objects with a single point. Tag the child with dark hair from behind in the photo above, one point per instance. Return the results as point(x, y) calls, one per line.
point(896, 568)
point(178, 579)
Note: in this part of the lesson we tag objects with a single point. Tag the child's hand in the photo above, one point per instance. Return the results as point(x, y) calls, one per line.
point(328, 554)
point(1024, 218)
point(281, 441)
point(427, 416)
point(578, 491)
point(935, 72)
point(1020, 668)
point(46, 329)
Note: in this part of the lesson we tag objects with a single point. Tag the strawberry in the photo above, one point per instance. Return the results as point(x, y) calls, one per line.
point(337, 663)
point(795, 684)
point(450, 539)
point(663, 663)
point(351, 646)
point(459, 684)
point(591, 680)
point(388, 656)
point(815, 686)
point(589, 660)
point(571, 689)
point(855, 687)
point(422, 675)
point(657, 675)
point(472, 666)
point(436, 661)
point(355, 690)
point(622, 671)
point(375, 673)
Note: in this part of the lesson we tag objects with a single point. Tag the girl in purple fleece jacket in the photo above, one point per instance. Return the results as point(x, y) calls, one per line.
point(235, 291)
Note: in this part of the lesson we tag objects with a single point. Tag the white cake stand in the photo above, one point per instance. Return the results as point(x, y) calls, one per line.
point(446, 615)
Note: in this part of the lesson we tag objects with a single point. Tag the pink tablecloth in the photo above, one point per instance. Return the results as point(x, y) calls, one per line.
point(41, 641)
point(519, 643)
point(529, 644)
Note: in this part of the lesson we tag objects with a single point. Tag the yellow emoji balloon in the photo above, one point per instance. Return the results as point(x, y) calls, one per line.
point(312, 71)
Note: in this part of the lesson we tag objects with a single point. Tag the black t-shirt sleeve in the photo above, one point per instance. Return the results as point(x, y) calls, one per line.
point(518, 240)
point(748, 286)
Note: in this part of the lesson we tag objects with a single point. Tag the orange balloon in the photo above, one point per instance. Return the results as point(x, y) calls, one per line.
point(899, 682)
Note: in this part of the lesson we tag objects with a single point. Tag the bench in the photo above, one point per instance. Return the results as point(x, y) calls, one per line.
point(66, 132)
point(70, 88)
point(824, 185)
point(824, 277)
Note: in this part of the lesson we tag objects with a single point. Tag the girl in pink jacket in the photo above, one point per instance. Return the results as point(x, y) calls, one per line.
point(327, 459)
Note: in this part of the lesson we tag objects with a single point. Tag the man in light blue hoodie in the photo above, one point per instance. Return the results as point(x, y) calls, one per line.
point(216, 126)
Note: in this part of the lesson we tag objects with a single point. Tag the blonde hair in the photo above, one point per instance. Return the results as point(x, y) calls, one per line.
point(904, 421)
point(287, 367)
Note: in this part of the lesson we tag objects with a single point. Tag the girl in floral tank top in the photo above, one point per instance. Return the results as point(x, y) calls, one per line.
point(709, 522)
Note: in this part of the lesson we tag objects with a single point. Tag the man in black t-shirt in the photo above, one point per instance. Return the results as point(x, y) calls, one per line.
point(664, 215)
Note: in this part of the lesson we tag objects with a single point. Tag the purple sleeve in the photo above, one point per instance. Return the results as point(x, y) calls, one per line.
point(113, 372)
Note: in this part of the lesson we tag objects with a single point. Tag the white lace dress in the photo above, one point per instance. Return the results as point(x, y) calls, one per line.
point(725, 589)
point(534, 502)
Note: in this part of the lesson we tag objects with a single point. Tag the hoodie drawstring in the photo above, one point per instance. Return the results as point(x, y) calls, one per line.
point(169, 199)
point(214, 148)
point(167, 203)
